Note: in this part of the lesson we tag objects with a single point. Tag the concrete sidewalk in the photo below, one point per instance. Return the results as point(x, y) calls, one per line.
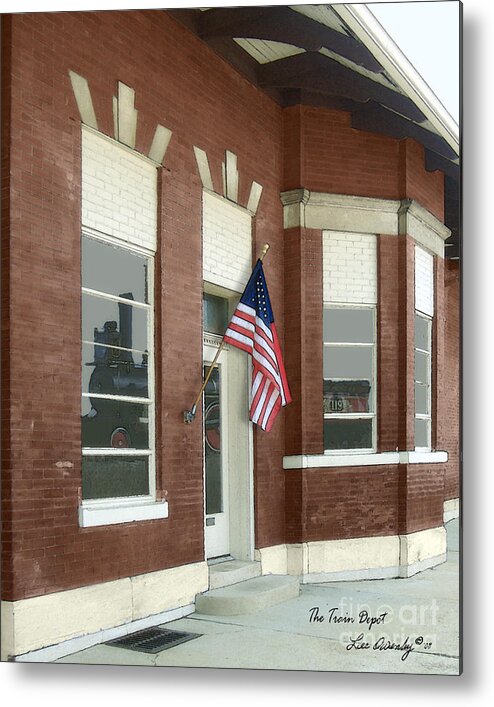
point(399, 626)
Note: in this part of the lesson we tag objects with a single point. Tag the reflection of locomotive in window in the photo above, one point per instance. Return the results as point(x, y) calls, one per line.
point(113, 422)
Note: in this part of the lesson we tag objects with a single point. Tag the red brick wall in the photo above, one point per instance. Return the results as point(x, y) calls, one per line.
point(6, 512)
point(357, 502)
point(452, 385)
point(303, 336)
point(340, 503)
point(293, 176)
point(388, 343)
point(416, 183)
point(181, 84)
point(336, 158)
point(406, 327)
point(395, 337)
point(421, 497)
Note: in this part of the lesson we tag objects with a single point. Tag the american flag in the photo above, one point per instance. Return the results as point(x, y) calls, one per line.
point(252, 329)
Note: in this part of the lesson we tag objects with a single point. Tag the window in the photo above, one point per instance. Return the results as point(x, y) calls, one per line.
point(117, 414)
point(422, 377)
point(215, 314)
point(349, 378)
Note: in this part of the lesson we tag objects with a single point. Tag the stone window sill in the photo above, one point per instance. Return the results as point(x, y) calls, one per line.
point(319, 461)
point(111, 513)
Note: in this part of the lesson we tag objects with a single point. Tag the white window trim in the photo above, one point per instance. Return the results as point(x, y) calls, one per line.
point(363, 415)
point(109, 511)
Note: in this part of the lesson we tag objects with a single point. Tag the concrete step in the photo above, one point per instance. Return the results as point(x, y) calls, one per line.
point(249, 596)
point(230, 572)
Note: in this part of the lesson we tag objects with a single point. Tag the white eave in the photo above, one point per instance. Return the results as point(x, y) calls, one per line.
point(360, 20)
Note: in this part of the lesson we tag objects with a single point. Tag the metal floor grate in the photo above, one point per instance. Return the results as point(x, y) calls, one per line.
point(152, 640)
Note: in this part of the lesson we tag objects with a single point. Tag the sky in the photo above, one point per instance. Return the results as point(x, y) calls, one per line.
point(428, 35)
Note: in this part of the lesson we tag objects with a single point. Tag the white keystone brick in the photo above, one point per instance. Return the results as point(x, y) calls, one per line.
point(119, 191)
point(424, 281)
point(227, 243)
point(349, 267)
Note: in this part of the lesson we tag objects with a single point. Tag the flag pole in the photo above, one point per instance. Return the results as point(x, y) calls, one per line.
point(189, 415)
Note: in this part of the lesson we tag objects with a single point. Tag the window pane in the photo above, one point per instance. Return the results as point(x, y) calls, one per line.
point(113, 270)
point(422, 433)
point(421, 399)
point(347, 434)
point(347, 396)
point(215, 314)
point(114, 324)
point(348, 362)
point(114, 477)
point(113, 423)
point(421, 367)
point(348, 325)
point(103, 371)
point(212, 443)
point(422, 333)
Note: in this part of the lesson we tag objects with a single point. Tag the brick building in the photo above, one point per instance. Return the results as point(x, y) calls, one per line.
point(143, 168)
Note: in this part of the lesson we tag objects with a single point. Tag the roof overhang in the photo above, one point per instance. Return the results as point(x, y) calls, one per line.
point(337, 56)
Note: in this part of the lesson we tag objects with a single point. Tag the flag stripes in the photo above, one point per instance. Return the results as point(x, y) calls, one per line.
point(252, 329)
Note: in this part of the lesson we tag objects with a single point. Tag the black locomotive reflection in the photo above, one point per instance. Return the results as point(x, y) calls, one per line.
point(117, 423)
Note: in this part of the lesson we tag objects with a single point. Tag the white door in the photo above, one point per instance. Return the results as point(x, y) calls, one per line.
point(215, 432)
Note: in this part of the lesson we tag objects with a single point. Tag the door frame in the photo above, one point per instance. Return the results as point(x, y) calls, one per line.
point(239, 454)
point(217, 525)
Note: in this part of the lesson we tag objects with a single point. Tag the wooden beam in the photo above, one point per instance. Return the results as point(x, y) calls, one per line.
point(282, 24)
point(377, 119)
point(315, 72)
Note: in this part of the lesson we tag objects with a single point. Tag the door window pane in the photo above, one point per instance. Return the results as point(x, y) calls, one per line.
point(215, 314)
point(212, 443)
point(108, 477)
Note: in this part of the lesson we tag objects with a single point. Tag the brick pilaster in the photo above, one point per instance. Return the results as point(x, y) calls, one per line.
point(303, 340)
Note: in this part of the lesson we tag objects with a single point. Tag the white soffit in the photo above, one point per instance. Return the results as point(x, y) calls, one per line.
point(265, 51)
point(322, 14)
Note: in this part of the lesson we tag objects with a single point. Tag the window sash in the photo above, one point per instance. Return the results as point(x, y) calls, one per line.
point(116, 298)
point(149, 452)
point(348, 416)
point(426, 358)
